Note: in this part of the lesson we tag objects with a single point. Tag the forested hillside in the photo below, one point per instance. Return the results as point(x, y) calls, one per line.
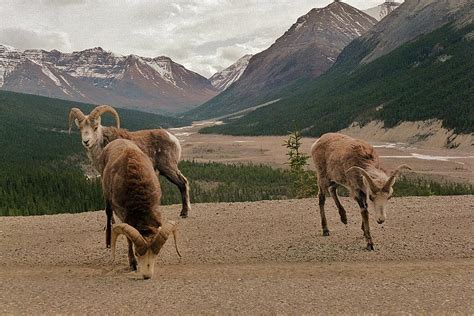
point(34, 128)
point(40, 162)
point(430, 78)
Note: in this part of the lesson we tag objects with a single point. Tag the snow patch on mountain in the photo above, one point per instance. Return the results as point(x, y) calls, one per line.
point(223, 79)
point(98, 76)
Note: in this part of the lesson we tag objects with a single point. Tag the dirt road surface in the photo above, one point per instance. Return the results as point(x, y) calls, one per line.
point(265, 257)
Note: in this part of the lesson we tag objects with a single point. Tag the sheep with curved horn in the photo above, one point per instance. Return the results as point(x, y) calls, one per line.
point(159, 145)
point(131, 187)
point(344, 161)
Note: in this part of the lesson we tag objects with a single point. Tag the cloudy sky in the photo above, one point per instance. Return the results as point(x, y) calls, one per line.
point(203, 35)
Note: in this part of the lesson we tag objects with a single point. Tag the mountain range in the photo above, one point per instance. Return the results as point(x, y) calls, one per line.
point(335, 67)
point(308, 49)
point(98, 76)
point(416, 64)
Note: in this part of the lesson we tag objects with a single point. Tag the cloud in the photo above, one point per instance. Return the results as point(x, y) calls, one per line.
point(64, 2)
point(24, 39)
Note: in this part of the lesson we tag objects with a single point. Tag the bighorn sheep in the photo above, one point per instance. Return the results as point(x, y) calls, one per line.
point(160, 146)
point(354, 164)
point(132, 190)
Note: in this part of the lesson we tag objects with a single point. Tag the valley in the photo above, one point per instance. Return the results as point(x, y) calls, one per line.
point(426, 159)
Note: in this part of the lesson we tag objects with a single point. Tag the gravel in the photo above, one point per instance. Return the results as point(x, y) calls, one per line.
point(264, 257)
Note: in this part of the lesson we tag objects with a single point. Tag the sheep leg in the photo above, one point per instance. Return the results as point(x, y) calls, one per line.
point(132, 261)
point(176, 177)
point(340, 208)
point(361, 199)
point(110, 220)
point(322, 201)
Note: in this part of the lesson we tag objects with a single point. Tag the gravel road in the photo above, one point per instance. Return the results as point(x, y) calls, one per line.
point(265, 257)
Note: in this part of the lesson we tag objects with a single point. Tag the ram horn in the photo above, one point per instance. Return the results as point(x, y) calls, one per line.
point(75, 113)
point(391, 180)
point(163, 233)
point(101, 109)
point(370, 181)
point(132, 234)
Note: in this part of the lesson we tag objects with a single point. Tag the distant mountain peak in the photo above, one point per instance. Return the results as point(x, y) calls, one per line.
point(97, 49)
point(223, 79)
point(382, 10)
point(7, 48)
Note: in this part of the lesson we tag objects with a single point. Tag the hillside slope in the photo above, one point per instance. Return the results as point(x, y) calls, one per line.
point(34, 128)
point(428, 78)
point(308, 49)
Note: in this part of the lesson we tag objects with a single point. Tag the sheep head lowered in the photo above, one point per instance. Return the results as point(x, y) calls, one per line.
point(379, 189)
point(89, 125)
point(146, 248)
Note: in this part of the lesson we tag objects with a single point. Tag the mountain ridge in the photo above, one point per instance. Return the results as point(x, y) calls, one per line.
point(98, 76)
point(305, 51)
point(221, 80)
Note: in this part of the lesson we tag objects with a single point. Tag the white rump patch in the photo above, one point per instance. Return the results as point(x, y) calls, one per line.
point(176, 141)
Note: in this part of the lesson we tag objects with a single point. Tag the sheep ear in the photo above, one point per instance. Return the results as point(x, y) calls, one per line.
point(77, 122)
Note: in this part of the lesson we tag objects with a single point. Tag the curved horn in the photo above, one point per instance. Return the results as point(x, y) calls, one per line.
point(162, 235)
point(391, 180)
point(75, 113)
point(132, 234)
point(101, 109)
point(371, 183)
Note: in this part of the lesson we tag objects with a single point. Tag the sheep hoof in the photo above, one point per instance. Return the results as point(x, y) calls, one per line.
point(370, 247)
point(183, 214)
point(325, 232)
point(344, 220)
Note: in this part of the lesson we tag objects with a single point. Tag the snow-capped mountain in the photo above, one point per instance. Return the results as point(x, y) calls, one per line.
point(382, 10)
point(307, 50)
point(223, 79)
point(98, 76)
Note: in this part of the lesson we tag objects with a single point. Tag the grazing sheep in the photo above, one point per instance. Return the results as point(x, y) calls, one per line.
point(354, 164)
point(159, 145)
point(132, 190)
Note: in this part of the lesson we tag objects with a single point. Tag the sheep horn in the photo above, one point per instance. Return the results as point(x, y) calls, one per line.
point(391, 180)
point(101, 109)
point(162, 235)
point(132, 234)
point(75, 113)
point(371, 183)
